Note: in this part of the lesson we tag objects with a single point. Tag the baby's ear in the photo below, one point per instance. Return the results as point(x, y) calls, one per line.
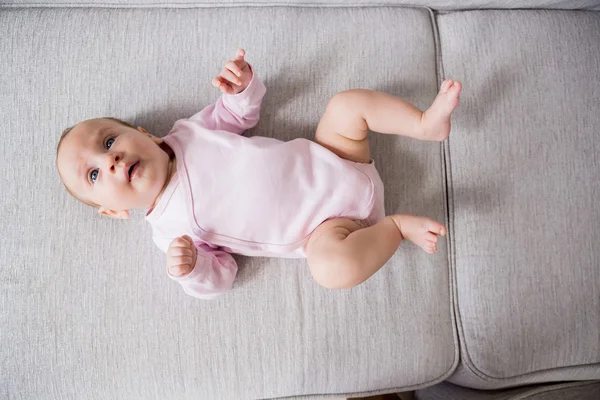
point(124, 214)
point(155, 139)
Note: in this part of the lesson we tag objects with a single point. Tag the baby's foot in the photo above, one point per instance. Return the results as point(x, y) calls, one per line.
point(436, 119)
point(422, 231)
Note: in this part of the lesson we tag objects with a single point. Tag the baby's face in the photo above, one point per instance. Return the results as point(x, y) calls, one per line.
point(113, 166)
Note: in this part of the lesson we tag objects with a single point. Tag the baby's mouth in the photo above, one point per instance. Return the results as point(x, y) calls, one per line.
point(132, 170)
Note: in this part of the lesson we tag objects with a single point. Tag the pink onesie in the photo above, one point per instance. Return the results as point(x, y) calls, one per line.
point(254, 196)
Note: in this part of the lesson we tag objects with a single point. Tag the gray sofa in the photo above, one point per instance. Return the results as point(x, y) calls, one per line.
point(511, 299)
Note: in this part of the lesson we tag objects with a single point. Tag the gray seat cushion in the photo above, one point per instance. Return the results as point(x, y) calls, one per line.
point(87, 309)
point(525, 179)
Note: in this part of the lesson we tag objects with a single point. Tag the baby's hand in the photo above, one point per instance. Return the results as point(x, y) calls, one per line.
point(236, 75)
point(181, 256)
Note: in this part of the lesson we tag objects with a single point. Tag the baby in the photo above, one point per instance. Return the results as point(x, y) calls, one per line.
point(210, 192)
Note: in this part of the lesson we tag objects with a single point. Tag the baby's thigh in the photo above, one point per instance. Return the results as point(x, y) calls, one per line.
point(329, 257)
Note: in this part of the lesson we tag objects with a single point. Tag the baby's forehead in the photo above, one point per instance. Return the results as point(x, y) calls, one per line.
point(85, 133)
point(78, 140)
point(92, 127)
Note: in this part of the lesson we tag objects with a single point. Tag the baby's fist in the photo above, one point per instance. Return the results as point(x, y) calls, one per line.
point(235, 76)
point(181, 256)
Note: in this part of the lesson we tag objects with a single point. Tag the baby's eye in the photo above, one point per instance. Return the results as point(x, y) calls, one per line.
point(94, 175)
point(109, 143)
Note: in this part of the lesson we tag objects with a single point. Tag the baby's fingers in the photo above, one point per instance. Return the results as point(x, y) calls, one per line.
point(179, 270)
point(180, 252)
point(180, 260)
point(233, 67)
point(239, 54)
point(222, 84)
point(189, 240)
point(179, 242)
point(229, 76)
point(239, 59)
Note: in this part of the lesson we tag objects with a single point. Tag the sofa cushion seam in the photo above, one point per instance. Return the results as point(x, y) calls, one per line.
point(446, 185)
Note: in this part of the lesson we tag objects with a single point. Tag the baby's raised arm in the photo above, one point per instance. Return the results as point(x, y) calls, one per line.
point(238, 108)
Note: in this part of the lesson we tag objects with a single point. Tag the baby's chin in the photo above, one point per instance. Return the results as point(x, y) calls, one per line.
point(150, 188)
point(143, 201)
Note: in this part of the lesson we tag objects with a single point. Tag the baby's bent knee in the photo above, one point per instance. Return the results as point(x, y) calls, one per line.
point(349, 100)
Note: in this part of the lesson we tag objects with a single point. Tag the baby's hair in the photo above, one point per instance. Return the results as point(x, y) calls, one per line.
point(62, 137)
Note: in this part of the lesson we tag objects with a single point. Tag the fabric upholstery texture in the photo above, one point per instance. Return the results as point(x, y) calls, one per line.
point(525, 178)
point(86, 308)
point(586, 390)
point(435, 4)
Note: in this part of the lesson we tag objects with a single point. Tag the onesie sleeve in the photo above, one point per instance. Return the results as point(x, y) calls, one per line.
point(213, 274)
point(234, 112)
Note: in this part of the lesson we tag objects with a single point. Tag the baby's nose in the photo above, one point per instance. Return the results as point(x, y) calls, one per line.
point(113, 160)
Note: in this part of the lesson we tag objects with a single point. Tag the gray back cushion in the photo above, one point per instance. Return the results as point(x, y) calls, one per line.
point(87, 311)
point(434, 4)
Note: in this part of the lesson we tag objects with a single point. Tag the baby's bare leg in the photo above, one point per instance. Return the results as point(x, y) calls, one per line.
point(341, 254)
point(351, 114)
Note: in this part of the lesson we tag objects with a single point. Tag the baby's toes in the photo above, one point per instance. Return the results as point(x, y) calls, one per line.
point(446, 85)
point(431, 237)
point(455, 89)
point(430, 247)
point(435, 227)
